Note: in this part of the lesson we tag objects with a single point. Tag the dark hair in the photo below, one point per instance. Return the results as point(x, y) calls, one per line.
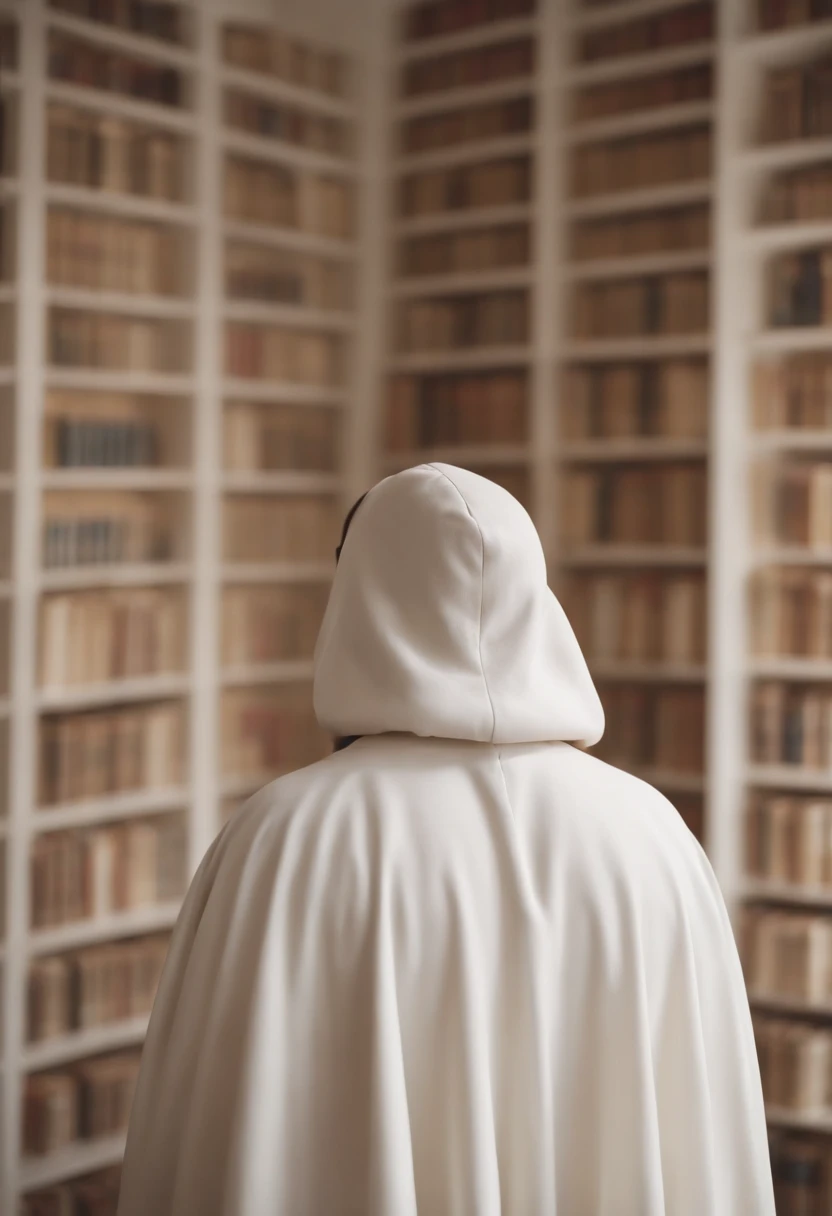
point(345, 740)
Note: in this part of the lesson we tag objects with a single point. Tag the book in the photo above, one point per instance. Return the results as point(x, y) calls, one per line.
point(441, 73)
point(113, 154)
point(261, 192)
point(258, 435)
point(111, 430)
point(664, 399)
point(634, 504)
point(665, 230)
point(784, 14)
point(802, 1172)
point(261, 48)
point(494, 248)
point(791, 723)
point(791, 503)
point(302, 128)
point(653, 727)
point(77, 61)
point(164, 21)
point(283, 353)
point(436, 18)
point(789, 839)
point(459, 322)
point(279, 528)
point(797, 102)
point(101, 253)
point(687, 23)
point(639, 162)
point(267, 731)
point(287, 276)
point(655, 304)
point(87, 528)
point(492, 183)
point(113, 342)
point(791, 612)
point(787, 954)
point(491, 120)
point(436, 410)
point(90, 1195)
point(800, 288)
point(270, 624)
point(89, 1101)
point(650, 92)
point(798, 195)
point(793, 392)
point(795, 1064)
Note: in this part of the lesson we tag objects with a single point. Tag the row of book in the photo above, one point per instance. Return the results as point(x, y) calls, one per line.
point(493, 183)
point(100, 752)
point(109, 342)
point(800, 288)
point(798, 102)
point(490, 319)
point(794, 392)
point(77, 62)
point(792, 503)
point(101, 152)
point(680, 26)
point(85, 1101)
point(648, 727)
point(286, 276)
point(791, 612)
point(669, 230)
point(89, 529)
point(791, 724)
point(438, 18)
point(645, 92)
point(91, 637)
point(269, 731)
point(95, 872)
point(643, 617)
point(106, 254)
point(77, 443)
point(782, 14)
point(658, 304)
point(280, 197)
point(272, 352)
point(635, 504)
point(491, 120)
point(271, 624)
point(92, 1195)
point(787, 954)
point(795, 1065)
point(263, 436)
point(274, 528)
point(287, 123)
point(258, 48)
point(665, 399)
point(789, 839)
point(481, 408)
point(801, 1168)
point(92, 987)
point(494, 248)
point(509, 60)
point(801, 194)
point(158, 19)
point(640, 162)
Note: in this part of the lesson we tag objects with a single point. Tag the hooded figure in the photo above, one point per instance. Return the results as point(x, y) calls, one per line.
point(460, 967)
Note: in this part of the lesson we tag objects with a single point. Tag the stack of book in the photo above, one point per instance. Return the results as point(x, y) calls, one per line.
point(91, 529)
point(679, 26)
point(160, 19)
point(274, 528)
point(794, 392)
point(257, 435)
point(263, 49)
point(786, 955)
point(497, 247)
point(634, 505)
point(428, 411)
point(798, 102)
point(800, 288)
point(92, 1195)
point(87, 64)
point(113, 154)
point(269, 731)
point(287, 123)
point(667, 399)
point(491, 120)
point(260, 192)
point(795, 1065)
point(789, 839)
point(651, 92)
point(798, 195)
point(638, 616)
point(271, 624)
point(503, 61)
point(104, 430)
point(109, 342)
point(497, 318)
point(790, 724)
point(660, 304)
point(643, 161)
point(274, 352)
point(792, 503)
point(492, 183)
point(286, 276)
point(88, 1101)
point(791, 612)
point(665, 230)
point(649, 727)
point(438, 18)
point(802, 1170)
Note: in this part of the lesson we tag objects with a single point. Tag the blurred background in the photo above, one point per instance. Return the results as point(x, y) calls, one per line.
point(256, 253)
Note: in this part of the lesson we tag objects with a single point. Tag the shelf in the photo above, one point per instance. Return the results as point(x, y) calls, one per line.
point(282, 90)
point(775, 46)
point(640, 264)
point(462, 360)
point(279, 392)
point(286, 672)
point(439, 222)
point(86, 696)
point(464, 97)
point(133, 303)
point(645, 346)
point(791, 155)
point(647, 198)
point(168, 384)
point(464, 153)
point(463, 281)
point(133, 804)
point(793, 556)
point(821, 1124)
point(288, 238)
point(117, 105)
point(71, 1162)
point(783, 341)
point(466, 40)
point(775, 1003)
point(648, 673)
point(140, 478)
point(763, 890)
point(259, 481)
point(767, 442)
point(797, 234)
point(278, 572)
point(273, 150)
point(483, 454)
point(621, 67)
point(131, 206)
point(653, 118)
point(75, 1046)
point(105, 928)
point(264, 312)
point(788, 777)
point(786, 668)
point(618, 14)
point(638, 448)
point(634, 555)
point(134, 574)
point(131, 43)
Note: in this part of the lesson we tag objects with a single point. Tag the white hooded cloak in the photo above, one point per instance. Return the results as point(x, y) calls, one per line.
point(462, 967)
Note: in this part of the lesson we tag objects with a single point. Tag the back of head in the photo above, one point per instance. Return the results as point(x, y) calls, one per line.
point(441, 622)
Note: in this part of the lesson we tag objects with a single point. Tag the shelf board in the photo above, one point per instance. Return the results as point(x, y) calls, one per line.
point(646, 346)
point(788, 668)
point(105, 928)
point(617, 14)
point(275, 151)
point(635, 448)
point(798, 234)
point(265, 312)
point(278, 572)
point(131, 43)
point(121, 478)
point(133, 804)
point(774, 46)
point(484, 34)
point(621, 67)
point(462, 98)
point(788, 155)
point(168, 384)
point(633, 555)
point(793, 556)
point(117, 105)
point(277, 237)
point(286, 672)
point(788, 777)
point(797, 339)
point(80, 1043)
point(640, 264)
point(461, 454)
point(464, 153)
point(794, 440)
point(637, 122)
point(451, 360)
point(648, 672)
point(132, 206)
point(646, 198)
point(775, 1003)
point(280, 392)
point(761, 890)
point(463, 281)
point(275, 89)
point(438, 222)
point(130, 574)
point(142, 688)
point(260, 481)
point(804, 1121)
point(71, 1162)
point(132, 303)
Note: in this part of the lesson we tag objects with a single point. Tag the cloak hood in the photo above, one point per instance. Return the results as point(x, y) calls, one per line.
point(441, 622)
